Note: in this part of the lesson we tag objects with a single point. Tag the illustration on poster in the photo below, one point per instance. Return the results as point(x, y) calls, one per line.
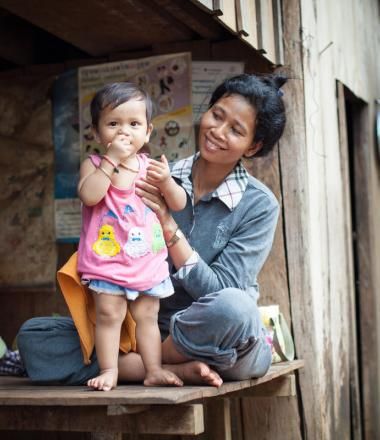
point(172, 128)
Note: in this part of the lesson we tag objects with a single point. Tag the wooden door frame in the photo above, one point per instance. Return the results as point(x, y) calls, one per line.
point(355, 392)
point(367, 303)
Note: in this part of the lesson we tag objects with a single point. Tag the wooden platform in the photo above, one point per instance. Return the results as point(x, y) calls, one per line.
point(132, 409)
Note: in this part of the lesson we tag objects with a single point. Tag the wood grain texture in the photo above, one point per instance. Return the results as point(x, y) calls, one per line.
point(104, 27)
point(273, 277)
point(19, 391)
point(268, 419)
point(181, 420)
point(294, 181)
point(219, 419)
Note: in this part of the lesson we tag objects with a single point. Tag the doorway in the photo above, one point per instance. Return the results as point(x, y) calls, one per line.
point(354, 153)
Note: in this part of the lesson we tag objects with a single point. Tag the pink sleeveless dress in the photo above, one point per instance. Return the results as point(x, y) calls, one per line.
point(121, 240)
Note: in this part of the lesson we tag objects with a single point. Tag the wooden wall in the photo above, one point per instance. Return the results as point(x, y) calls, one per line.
point(310, 270)
point(339, 40)
point(250, 415)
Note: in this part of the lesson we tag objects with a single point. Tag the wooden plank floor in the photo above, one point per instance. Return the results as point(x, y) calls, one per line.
point(16, 391)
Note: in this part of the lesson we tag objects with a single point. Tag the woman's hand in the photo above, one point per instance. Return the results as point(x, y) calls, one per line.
point(152, 198)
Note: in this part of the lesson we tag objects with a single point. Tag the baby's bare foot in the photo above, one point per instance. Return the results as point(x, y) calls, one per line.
point(196, 373)
point(162, 377)
point(106, 381)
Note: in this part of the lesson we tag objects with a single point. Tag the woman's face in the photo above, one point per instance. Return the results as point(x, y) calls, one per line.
point(227, 130)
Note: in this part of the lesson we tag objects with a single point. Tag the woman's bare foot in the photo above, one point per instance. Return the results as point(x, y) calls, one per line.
point(196, 373)
point(106, 381)
point(162, 377)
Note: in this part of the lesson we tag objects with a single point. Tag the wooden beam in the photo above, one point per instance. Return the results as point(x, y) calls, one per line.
point(237, 50)
point(227, 14)
point(206, 5)
point(278, 34)
point(16, 41)
point(249, 21)
point(169, 420)
point(218, 7)
point(265, 29)
point(106, 436)
point(17, 391)
point(185, 12)
point(103, 27)
point(284, 386)
point(242, 17)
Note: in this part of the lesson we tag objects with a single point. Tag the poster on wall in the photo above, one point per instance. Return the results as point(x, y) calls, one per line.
point(167, 78)
point(67, 157)
point(181, 90)
point(207, 75)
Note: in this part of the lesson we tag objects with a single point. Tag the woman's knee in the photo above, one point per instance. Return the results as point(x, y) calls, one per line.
point(232, 305)
point(221, 319)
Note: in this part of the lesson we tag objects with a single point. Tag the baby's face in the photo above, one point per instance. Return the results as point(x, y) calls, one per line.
point(127, 123)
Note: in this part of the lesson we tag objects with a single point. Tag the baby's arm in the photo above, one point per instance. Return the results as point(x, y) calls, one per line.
point(94, 182)
point(158, 174)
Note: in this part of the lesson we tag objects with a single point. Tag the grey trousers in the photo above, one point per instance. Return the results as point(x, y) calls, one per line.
point(222, 329)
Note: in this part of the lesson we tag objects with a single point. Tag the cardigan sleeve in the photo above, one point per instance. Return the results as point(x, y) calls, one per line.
point(239, 263)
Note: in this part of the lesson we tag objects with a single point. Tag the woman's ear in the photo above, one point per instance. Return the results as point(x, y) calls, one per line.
point(253, 149)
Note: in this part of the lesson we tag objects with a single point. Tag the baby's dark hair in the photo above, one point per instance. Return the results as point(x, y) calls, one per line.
point(264, 95)
point(114, 94)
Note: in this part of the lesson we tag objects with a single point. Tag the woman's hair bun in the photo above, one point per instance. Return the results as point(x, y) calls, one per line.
point(279, 80)
point(275, 80)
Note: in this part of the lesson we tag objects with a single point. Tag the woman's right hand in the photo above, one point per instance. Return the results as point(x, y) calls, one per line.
point(152, 198)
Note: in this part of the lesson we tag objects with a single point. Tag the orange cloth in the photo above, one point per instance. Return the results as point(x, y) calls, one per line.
point(82, 309)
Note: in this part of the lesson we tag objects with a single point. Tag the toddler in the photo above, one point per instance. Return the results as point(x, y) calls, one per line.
point(122, 252)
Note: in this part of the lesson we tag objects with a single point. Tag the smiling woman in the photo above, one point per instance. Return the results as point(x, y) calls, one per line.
point(217, 244)
point(227, 131)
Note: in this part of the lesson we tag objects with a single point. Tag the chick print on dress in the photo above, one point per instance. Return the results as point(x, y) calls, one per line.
point(106, 244)
point(136, 245)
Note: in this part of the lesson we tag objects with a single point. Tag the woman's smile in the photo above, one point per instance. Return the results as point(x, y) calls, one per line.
point(211, 145)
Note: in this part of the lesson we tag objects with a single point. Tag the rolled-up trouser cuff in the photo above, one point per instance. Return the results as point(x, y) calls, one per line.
point(51, 351)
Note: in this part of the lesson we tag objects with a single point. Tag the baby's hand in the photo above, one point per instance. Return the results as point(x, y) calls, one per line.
point(120, 148)
point(158, 172)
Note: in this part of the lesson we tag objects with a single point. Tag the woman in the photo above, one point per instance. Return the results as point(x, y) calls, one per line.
point(211, 327)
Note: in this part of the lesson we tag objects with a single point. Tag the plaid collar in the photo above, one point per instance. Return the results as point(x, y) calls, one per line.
point(230, 191)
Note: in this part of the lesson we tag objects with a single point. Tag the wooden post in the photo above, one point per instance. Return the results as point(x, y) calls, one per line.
point(219, 419)
point(294, 180)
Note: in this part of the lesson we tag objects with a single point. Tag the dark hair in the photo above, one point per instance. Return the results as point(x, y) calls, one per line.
point(115, 94)
point(264, 95)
